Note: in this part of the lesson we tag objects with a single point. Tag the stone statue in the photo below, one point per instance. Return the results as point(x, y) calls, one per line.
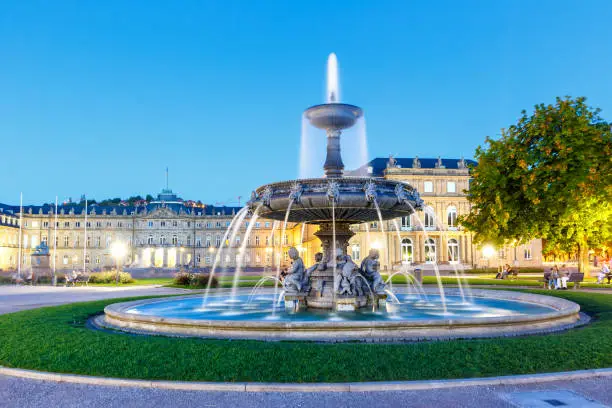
point(369, 270)
point(416, 163)
point(439, 164)
point(309, 271)
point(392, 162)
point(347, 276)
point(295, 274)
point(461, 163)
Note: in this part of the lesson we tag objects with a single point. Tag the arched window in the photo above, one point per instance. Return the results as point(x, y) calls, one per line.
point(406, 249)
point(406, 223)
point(453, 250)
point(430, 218)
point(217, 241)
point(451, 216)
point(356, 252)
point(430, 250)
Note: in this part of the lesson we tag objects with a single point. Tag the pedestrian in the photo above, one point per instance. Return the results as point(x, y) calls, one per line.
point(555, 276)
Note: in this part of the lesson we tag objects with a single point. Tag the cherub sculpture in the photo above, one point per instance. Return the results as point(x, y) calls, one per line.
point(295, 274)
point(369, 270)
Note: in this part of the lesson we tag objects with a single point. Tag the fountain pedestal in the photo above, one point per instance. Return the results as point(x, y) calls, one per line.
point(350, 303)
point(295, 302)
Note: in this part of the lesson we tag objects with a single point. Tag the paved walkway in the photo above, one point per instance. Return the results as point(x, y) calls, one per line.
point(16, 392)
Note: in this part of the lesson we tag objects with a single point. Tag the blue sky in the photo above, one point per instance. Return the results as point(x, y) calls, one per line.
point(98, 98)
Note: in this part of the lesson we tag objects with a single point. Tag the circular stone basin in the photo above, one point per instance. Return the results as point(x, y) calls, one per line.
point(417, 317)
point(351, 206)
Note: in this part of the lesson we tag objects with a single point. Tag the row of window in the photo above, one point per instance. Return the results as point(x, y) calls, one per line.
point(428, 187)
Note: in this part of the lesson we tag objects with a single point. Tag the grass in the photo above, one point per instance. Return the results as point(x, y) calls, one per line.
point(139, 282)
point(56, 339)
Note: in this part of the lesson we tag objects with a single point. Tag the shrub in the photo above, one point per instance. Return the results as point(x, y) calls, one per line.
point(110, 277)
point(200, 280)
point(182, 278)
point(196, 280)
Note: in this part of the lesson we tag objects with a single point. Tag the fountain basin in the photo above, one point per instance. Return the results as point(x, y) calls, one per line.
point(333, 116)
point(492, 314)
point(351, 203)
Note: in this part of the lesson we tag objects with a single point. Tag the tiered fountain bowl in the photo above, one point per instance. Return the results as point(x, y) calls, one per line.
point(335, 202)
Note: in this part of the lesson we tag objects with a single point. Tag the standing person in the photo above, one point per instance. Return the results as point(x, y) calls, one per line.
point(564, 276)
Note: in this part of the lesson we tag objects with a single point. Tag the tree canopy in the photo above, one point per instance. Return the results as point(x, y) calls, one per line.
point(549, 176)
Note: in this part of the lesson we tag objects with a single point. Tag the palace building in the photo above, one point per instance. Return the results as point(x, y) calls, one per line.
point(168, 233)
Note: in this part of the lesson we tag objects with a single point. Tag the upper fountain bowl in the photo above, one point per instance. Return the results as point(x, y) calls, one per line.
point(333, 116)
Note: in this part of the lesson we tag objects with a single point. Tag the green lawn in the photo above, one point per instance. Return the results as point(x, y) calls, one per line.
point(56, 339)
point(138, 282)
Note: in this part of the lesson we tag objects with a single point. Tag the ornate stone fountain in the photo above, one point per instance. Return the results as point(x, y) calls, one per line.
point(334, 202)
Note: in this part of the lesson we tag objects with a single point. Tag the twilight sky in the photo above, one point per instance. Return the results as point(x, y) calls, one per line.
point(98, 98)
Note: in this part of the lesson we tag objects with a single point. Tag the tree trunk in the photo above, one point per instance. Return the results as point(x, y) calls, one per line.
point(583, 258)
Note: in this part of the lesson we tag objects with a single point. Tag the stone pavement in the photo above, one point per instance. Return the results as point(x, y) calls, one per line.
point(17, 392)
point(14, 298)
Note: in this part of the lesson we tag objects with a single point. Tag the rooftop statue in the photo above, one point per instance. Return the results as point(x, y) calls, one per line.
point(392, 162)
point(416, 163)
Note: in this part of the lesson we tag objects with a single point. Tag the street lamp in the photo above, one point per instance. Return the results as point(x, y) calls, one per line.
point(118, 251)
point(488, 251)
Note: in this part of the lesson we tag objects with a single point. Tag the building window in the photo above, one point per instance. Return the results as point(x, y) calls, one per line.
point(257, 258)
point(174, 240)
point(218, 241)
point(451, 187)
point(407, 251)
point(109, 224)
point(257, 224)
point(162, 240)
point(119, 224)
point(267, 241)
point(428, 187)
point(150, 224)
point(430, 250)
point(406, 223)
point(175, 223)
point(374, 225)
point(451, 216)
point(237, 240)
point(286, 239)
point(66, 224)
point(199, 241)
point(87, 259)
point(218, 224)
point(198, 258)
point(162, 223)
point(97, 242)
point(98, 224)
point(66, 241)
point(207, 241)
point(43, 240)
point(527, 253)
point(97, 259)
point(453, 250)
point(65, 259)
point(267, 225)
point(256, 240)
point(77, 224)
point(429, 218)
point(356, 249)
point(88, 224)
point(45, 224)
point(188, 240)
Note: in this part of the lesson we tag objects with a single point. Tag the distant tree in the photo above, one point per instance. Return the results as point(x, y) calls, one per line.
point(149, 198)
point(549, 176)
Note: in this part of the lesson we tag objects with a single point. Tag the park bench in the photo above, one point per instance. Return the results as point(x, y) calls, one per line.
point(80, 278)
point(576, 278)
point(546, 279)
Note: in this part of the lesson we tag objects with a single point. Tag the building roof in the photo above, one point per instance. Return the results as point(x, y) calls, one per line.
point(379, 165)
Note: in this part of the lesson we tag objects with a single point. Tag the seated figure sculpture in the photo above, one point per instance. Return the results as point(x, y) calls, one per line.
point(369, 270)
point(309, 271)
point(295, 274)
point(347, 280)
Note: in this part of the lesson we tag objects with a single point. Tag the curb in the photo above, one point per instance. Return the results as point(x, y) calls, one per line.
point(308, 387)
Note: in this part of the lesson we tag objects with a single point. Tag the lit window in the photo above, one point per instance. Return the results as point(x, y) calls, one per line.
point(429, 218)
point(356, 252)
point(451, 187)
point(453, 250)
point(406, 223)
point(406, 249)
point(430, 250)
point(451, 216)
point(428, 187)
point(527, 253)
point(267, 225)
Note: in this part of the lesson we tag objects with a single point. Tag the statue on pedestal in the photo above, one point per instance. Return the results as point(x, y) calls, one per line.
point(369, 270)
point(295, 274)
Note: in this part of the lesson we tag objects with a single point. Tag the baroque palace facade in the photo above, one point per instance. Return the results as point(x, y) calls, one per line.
point(166, 233)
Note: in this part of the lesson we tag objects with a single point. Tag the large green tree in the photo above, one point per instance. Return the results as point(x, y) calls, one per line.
point(549, 176)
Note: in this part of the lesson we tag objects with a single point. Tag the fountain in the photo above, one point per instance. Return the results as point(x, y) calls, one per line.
point(334, 299)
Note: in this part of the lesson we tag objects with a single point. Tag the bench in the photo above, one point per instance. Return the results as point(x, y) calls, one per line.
point(80, 278)
point(576, 278)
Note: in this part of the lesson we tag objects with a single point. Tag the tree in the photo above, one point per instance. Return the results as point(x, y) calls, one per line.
point(549, 176)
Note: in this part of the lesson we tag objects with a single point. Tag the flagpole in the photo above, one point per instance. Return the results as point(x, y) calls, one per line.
point(20, 233)
point(55, 243)
point(85, 240)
